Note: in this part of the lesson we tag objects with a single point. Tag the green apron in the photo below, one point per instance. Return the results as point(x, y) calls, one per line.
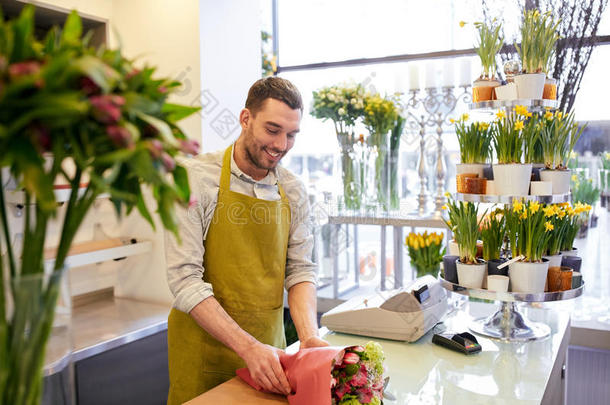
point(245, 261)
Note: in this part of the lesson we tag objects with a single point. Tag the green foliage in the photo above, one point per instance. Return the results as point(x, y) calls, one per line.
point(493, 230)
point(465, 225)
point(538, 38)
point(583, 189)
point(558, 135)
point(342, 104)
point(528, 230)
point(474, 139)
point(489, 44)
point(507, 138)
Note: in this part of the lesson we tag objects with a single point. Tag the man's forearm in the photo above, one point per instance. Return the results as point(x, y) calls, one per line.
point(302, 303)
point(212, 317)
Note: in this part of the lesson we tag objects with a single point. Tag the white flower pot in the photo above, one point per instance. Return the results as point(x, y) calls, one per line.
point(528, 277)
point(490, 187)
point(541, 188)
point(471, 275)
point(554, 261)
point(573, 252)
point(530, 85)
point(559, 178)
point(506, 92)
point(497, 282)
point(512, 179)
point(476, 168)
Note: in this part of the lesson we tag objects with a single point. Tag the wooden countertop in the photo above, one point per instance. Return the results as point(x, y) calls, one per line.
point(237, 392)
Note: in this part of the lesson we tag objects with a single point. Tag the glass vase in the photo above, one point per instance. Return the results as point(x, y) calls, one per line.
point(421, 270)
point(394, 192)
point(379, 141)
point(38, 342)
point(351, 188)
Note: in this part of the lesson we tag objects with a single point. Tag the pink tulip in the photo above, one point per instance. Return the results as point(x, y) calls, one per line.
point(168, 162)
point(21, 69)
point(351, 358)
point(365, 395)
point(189, 146)
point(106, 108)
point(156, 148)
point(162, 89)
point(360, 378)
point(133, 73)
point(192, 202)
point(119, 135)
point(341, 390)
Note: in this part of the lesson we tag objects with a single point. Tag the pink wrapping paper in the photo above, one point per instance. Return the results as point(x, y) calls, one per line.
point(308, 372)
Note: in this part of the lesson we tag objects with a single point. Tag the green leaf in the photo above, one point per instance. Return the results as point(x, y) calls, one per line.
point(143, 210)
point(166, 201)
point(177, 112)
point(143, 167)
point(102, 74)
point(121, 155)
point(29, 165)
point(73, 29)
point(182, 183)
point(136, 103)
point(50, 41)
point(23, 29)
point(161, 126)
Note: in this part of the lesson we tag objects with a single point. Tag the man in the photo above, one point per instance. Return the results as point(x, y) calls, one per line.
point(244, 241)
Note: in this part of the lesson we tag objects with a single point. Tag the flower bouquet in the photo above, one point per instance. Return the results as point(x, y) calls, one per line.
point(64, 101)
point(425, 252)
point(332, 375)
point(343, 105)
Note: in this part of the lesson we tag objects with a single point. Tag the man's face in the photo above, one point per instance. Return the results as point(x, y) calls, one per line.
point(269, 134)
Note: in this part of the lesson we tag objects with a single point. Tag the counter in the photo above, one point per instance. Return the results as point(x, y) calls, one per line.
point(424, 373)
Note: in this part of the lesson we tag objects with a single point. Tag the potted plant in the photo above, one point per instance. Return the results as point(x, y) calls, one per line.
point(488, 44)
point(604, 178)
point(493, 230)
point(529, 232)
point(585, 193)
point(465, 224)
point(475, 148)
point(511, 177)
point(380, 116)
point(426, 252)
point(343, 105)
point(557, 215)
point(559, 133)
point(576, 216)
point(67, 101)
point(538, 38)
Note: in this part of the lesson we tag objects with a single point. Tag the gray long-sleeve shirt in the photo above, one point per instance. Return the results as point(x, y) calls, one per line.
point(185, 265)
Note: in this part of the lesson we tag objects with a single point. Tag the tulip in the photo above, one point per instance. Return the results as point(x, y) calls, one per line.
point(168, 162)
point(119, 135)
point(21, 69)
point(342, 390)
point(351, 358)
point(155, 147)
point(189, 146)
point(358, 349)
point(106, 108)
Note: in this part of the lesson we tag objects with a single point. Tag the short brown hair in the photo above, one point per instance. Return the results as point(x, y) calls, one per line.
point(273, 87)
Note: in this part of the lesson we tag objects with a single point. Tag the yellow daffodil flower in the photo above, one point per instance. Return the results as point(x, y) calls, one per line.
point(548, 115)
point(534, 207)
point(561, 214)
point(549, 211)
point(519, 125)
point(517, 205)
point(447, 194)
point(465, 117)
point(548, 226)
point(521, 110)
point(444, 207)
point(523, 215)
point(559, 114)
point(501, 114)
point(451, 120)
point(462, 23)
point(574, 177)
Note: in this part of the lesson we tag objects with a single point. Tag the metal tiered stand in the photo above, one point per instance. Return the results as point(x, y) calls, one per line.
point(508, 323)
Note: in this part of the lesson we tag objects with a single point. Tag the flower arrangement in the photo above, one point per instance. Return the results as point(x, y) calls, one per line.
point(507, 135)
point(489, 44)
point(538, 39)
point(65, 101)
point(493, 229)
point(558, 135)
point(425, 251)
point(380, 117)
point(474, 139)
point(528, 230)
point(465, 224)
point(357, 378)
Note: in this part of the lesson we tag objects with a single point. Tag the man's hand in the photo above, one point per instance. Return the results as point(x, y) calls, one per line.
point(313, 341)
point(263, 362)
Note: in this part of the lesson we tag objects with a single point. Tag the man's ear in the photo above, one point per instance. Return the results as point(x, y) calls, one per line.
point(245, 118)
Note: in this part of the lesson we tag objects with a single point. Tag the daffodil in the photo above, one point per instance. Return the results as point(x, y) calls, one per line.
point(534, 207)
point(465, 117)
point(444, 207)
point(501, 114)
point(519, 125)
point(548, 115)
point(523, 215)
point(521, 110)
point(549, 211)
point(548, 226)
point(447, 194)
point(451, 120)
point(517, 205)
point(462, 23)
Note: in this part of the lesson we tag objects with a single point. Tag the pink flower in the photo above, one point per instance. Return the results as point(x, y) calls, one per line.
point(21, 69)
point(119, 135)
point(358, 349)
point(168, 162)
point(156, 148)
point(162, 89)
point(341, 390)
point(360, 378)
point(106, 108)
point(365, 395)
point(189, 146)
point(133, 73)
point(88, 86)
point(351, 358)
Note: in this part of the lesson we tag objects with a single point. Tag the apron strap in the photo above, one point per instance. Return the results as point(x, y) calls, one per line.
point(225, 173)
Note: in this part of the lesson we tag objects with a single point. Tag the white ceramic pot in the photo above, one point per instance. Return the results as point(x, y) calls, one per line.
point(528, 277)
point(471, 275)
point(541, 188)
point(463, 168)
point(573, 252)
point(454, 248)
point(506, 92)
point(555, 260)
point(512, 179)
point(530, 85)
point(559, 178)
point(497, 282)
point(490, 187)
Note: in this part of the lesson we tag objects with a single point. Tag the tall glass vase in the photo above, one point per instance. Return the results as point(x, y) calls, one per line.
point(38, 340)
point(379, 141)
point(351, 188)
point(393, 179)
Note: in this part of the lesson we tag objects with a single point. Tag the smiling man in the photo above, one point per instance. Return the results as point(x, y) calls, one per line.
point(244, 241)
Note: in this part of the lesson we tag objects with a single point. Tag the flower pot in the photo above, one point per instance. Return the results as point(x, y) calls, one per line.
point(576, 279)
point(536, 167)
point(471, 275)
point(506, 92)
point(541, 188)
point(571, 252)
point(492, 267)
point(454, 248)
point(559, 178)
point(550, 89)
point(530, 85)
point(461, 181)
point(497, 283)
point(528, 277)
point(476, 168)
point(490, 187)
point(483, 90)
point(565, 278)
point(512, 179)
point(475, 185)
point(554, 260)
point(450, 268)
point(554, 279)
point(573, 262)
point(488, 172)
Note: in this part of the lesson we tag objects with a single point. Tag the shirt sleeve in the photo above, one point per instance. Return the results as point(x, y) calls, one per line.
point(299, 265)
point(184, 257)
